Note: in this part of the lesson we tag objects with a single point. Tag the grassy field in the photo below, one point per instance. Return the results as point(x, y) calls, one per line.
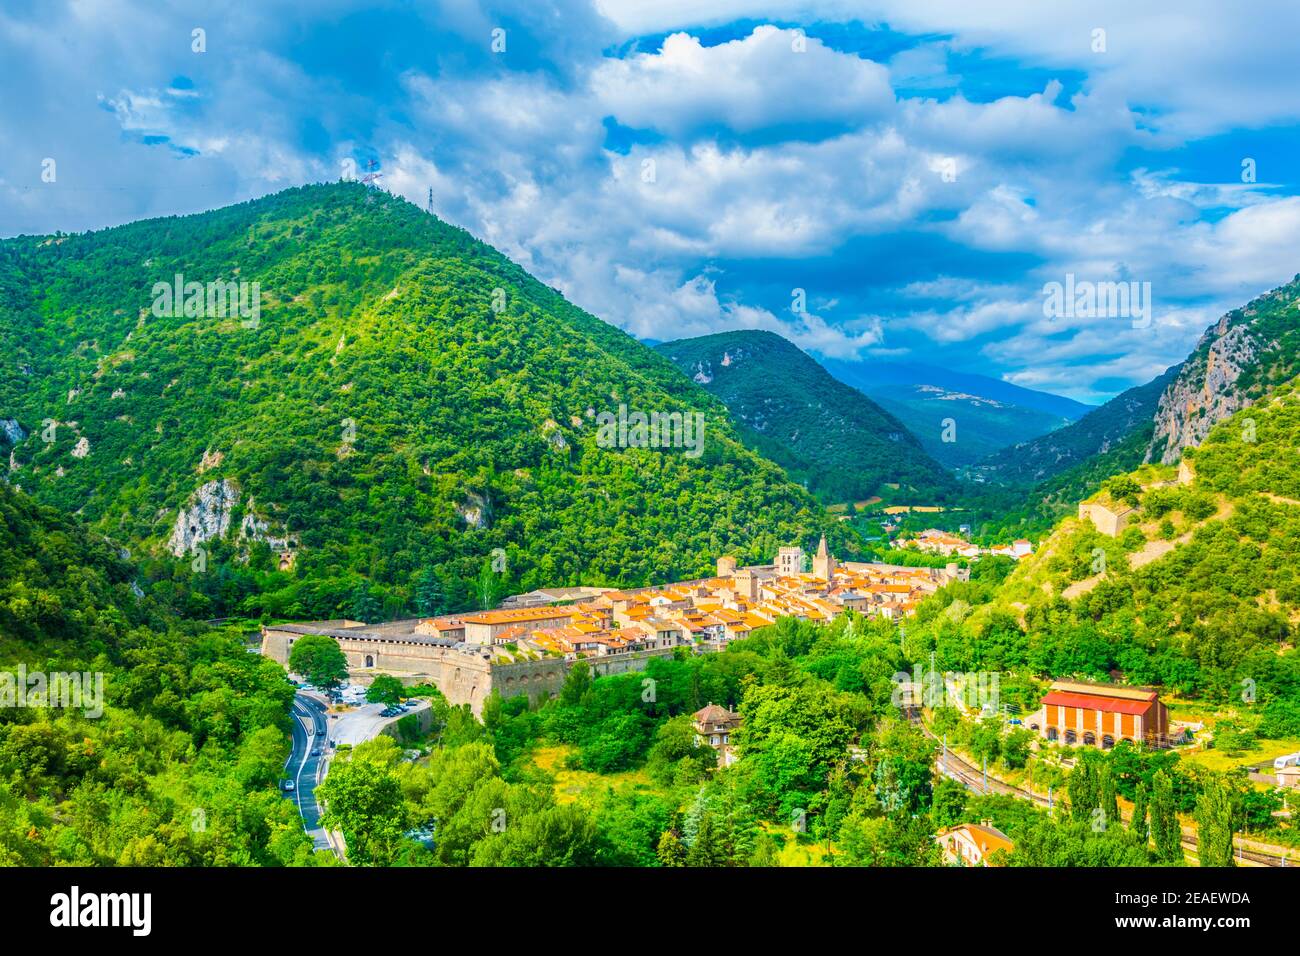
point(571, 785)
point(1261, 751)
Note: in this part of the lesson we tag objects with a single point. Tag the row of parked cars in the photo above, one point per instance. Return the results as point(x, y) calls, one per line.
point(392, 710)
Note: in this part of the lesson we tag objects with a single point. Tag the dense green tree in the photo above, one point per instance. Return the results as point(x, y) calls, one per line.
point(1215, 811)
point(385, 689)
point(362, 606)
point(1165, 829)
point(1082, 786)
point(319, 660)
point(791, 737)
point(948, 803)
point(430, 599)
point(1016, 747)
point(363, 798)
point(576, 683)
point(711, 846)
point(670, 850)
point(1106, 799)
point(1138, 821)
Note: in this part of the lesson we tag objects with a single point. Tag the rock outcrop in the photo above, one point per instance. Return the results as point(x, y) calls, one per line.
point(256, 527)
point(476, 510)
point(207, 517)
point(1205, 391)
point(11, 431)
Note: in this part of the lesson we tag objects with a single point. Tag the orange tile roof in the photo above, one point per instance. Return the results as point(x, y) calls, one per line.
point(517, 615)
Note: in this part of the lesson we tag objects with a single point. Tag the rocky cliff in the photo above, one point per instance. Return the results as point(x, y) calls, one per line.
point(1236, 361)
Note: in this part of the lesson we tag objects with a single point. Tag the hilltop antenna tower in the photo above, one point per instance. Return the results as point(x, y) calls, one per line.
point(371, 173)
point(429, 206)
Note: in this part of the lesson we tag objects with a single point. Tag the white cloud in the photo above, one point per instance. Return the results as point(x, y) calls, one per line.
point(772, 77)
point(763, 167)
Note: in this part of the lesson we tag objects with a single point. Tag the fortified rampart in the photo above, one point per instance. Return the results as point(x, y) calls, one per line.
point(463, 673)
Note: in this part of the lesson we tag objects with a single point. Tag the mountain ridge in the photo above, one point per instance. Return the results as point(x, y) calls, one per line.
point(872, 376)
point(410, 402)
point(843, 444)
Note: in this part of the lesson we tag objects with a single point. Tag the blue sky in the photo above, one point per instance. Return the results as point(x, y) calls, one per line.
point(920, 170)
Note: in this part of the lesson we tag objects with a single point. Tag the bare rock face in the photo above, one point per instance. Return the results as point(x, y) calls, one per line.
point(554, 436)
point(477, 510)
point(1205, 391)
point(11, 431)
point(256, 527)
point(206, 518)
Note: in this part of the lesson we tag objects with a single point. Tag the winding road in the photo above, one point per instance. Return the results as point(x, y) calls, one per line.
point(312, 730)
point(306, 769)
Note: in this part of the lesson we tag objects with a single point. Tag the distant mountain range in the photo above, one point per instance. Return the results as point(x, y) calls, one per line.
point(1237, 360)
point(831, 436)
point(873, 377)
point(1108, 428)
point(959, 418)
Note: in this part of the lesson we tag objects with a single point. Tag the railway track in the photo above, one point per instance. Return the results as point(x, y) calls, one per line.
point(973, 779)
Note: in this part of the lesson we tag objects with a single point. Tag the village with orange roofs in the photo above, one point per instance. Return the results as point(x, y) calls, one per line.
point(515, 648)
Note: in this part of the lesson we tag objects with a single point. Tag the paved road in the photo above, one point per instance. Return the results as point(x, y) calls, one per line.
point(366, 721)
point(307, 769)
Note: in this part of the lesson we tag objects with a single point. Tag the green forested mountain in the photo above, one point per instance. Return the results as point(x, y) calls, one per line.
point(408, 402)
point(825, 433)
point(1197, 594)
point(171, 759)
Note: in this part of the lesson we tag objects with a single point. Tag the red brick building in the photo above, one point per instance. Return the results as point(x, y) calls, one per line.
point(1101, 715)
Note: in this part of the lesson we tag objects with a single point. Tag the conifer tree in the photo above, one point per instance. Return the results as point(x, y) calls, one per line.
point(1138, 822)
point(1106, 797)
point(1214, 811)
point(1164, 820)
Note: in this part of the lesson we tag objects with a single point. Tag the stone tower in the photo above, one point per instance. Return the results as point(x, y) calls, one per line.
point(745, 584)
point(789, 561)
point(823, 564)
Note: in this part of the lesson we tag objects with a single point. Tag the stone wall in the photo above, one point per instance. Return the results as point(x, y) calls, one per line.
point(423, 720)
point(622, 663)
point(462, 677)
